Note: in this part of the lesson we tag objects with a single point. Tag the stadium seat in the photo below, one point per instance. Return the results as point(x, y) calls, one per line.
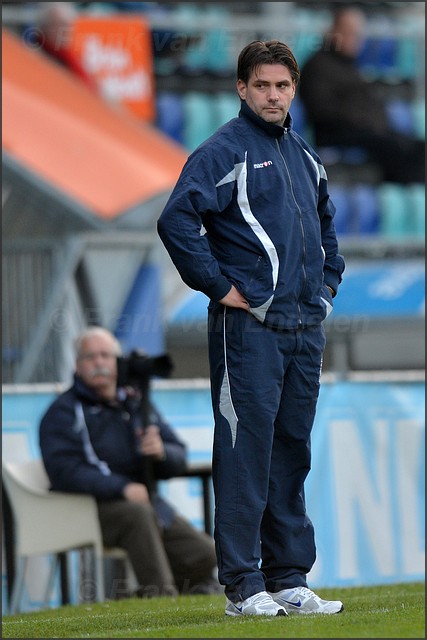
point(220, 57)
point(48, 523)
point(419, 117)
point(339, 154)
point(299, 116)
point(395, 217)
point(386, 62)
point(365, 207)
point(407, 58)
point(401, 116)
point(226, 107)
point(378, 57)
point(195, 56)
point(416, 196)
point(306, 38)
point(170, 115)
point(199, 118)
point(367, 58)
point(343, 215)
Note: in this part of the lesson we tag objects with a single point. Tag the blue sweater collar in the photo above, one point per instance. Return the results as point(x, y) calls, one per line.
point(273, 130)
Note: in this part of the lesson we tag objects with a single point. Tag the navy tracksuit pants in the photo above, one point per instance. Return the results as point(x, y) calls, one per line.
point(265, 386)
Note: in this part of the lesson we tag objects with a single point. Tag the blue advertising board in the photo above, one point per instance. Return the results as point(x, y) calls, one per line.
point(365, 492)
point(383, 288)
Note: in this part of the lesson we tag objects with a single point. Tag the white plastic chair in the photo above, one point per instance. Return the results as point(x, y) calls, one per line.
point(48, 522)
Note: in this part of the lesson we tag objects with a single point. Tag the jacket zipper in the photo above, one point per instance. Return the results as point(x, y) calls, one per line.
point(301, 225)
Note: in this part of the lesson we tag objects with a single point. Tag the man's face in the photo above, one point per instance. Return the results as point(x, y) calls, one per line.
point(97, 365)
point(350, 33)
point(269, 92)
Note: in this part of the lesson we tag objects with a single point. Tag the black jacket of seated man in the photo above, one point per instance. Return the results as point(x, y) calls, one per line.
point(345, 109)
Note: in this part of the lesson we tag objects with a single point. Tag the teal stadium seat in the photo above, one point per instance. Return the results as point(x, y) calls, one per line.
point(419, 116)
point(407, 58)
point(199, 117)
point(226, 107)
point(416, 195)
point(220, 55)
point(395, 214)
point(194, 59)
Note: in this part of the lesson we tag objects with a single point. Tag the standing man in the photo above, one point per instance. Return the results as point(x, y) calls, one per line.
point(250, 224)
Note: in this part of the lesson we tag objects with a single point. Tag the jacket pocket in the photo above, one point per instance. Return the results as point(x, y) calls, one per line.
point(326, 298)
point(254, 274)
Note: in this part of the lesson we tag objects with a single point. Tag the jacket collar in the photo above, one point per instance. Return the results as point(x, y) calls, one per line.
point(273, 130)
point(83, 392)
point(86, 393)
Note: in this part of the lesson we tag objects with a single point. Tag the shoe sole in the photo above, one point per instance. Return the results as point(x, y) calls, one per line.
point(296, 612)
point(238, 615)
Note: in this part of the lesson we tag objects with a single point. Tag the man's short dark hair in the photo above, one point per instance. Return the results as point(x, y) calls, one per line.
point(257, 53)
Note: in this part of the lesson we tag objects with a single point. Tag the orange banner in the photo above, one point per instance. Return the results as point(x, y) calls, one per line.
point(117, 53)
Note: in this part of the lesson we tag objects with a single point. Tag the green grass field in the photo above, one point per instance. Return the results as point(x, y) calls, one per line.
point(392, 611)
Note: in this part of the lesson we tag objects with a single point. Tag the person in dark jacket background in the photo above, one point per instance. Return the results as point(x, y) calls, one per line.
point(92, 441)
point(345, 109)
point(250, 224)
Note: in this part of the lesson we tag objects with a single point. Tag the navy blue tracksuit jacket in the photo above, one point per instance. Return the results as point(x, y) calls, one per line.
point(90, 446)
point(251, 208)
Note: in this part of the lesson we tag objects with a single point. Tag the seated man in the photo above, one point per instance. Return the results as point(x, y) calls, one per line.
point(93, 441)
point(344, 108)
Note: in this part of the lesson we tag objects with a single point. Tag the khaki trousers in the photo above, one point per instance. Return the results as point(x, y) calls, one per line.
point(165, 561)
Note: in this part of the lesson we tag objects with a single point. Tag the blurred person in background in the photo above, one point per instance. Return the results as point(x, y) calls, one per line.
point(251, 225)
point(93, 441)
point(54, 35)
point(344, 108)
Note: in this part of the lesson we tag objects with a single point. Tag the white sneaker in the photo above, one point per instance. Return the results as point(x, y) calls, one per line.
point(260, 604)
point(303, 601)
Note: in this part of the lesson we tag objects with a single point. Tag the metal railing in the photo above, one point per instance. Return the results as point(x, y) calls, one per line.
point(49, 294)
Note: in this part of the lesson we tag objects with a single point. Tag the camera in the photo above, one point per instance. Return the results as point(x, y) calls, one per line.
point(137, 367)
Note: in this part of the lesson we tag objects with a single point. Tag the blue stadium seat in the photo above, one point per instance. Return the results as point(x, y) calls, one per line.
point(401, 116)
point(170, 115)
point(367, 58)
point(299, 116)
point(386, 62)
point(300, 121)
point(340, 155)
point(365, 208)
point(340, 197)
point(379, 57)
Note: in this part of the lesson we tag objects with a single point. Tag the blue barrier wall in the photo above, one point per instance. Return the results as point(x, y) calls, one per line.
point(365, 492)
